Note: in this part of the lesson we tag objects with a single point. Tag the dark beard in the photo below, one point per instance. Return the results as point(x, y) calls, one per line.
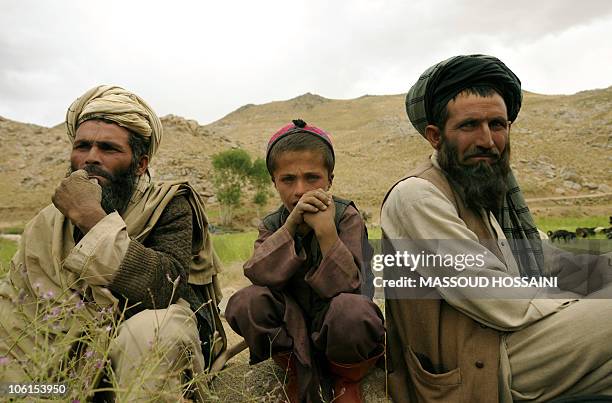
point(116, 194)
point(482, 186)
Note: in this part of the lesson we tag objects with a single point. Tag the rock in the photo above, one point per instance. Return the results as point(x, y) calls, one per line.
point(167, 177)
point(590, 186)
point(543, 166)
point(572, 185)
point(544, 159)
point(604, 188)
point(570, 175)
point(560, 191)
point(549, 172)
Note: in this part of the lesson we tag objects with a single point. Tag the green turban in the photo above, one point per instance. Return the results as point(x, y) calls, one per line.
point(443, 81)
point(122, 107)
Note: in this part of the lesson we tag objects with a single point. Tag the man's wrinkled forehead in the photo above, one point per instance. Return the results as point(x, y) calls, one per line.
point(101, 130)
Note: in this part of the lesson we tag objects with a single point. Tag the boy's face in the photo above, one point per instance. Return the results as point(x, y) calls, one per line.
point(298, 172)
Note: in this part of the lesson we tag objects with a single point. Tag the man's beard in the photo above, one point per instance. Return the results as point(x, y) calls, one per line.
point(482, 185)
point(117, 192)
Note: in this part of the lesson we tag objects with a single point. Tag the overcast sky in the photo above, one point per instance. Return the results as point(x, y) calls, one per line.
point(203, 59)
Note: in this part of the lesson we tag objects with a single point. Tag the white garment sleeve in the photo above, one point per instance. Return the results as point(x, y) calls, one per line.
point(98, 255)
point(417, 210)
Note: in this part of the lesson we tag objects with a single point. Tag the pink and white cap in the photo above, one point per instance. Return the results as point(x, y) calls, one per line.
point(299, 126)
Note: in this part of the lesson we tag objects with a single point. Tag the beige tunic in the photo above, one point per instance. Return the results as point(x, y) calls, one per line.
point(416, 209)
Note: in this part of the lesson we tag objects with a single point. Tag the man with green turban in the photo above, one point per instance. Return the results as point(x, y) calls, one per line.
point(449, 342)
point(118, 270)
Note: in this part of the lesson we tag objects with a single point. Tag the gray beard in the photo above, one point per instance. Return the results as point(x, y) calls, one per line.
point(482, 186)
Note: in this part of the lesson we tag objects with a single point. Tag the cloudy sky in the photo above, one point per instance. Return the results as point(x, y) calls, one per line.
point(203, 59)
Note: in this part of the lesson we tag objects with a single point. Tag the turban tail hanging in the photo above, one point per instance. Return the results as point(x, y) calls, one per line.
point(117, 105)
point(443, 81)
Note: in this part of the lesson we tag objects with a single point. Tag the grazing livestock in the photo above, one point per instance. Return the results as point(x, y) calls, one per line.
point(585, 232)
point(561, 234)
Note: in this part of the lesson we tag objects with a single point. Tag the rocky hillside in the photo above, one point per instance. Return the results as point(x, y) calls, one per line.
point(561, 146)
point(35, 158)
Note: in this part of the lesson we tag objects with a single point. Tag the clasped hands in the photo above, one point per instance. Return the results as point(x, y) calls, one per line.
point(315, 210)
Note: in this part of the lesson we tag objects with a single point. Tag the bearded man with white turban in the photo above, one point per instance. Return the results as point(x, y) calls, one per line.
point(114, 247)
point(459, 343)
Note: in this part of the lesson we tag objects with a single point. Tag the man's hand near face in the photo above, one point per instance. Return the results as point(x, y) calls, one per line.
point(79, 198)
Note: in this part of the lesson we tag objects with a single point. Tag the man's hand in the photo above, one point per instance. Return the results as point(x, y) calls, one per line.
point(78, 198)
point(311, 202)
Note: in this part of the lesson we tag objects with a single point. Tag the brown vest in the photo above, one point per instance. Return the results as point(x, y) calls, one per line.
point(438, 354)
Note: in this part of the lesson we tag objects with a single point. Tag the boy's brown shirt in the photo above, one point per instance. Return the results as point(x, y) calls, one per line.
point(275, 262)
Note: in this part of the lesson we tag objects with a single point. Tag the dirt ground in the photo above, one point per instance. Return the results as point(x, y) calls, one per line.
point(240, 382)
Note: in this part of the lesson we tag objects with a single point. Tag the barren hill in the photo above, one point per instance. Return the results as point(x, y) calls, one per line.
point(561, 146)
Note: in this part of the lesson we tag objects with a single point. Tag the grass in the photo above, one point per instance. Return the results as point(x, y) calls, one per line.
point(234, 247)
point(12, 230)
point(57, 351)
point(571, 223)
point(238, 247)
point(545, 224)
point(7, 250)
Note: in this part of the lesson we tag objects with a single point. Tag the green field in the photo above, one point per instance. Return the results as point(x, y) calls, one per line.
point(237, 247)
point(571, 223)
point(546, 224)
point(7, 250)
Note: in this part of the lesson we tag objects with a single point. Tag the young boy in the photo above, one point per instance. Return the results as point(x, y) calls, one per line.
point(305, 307)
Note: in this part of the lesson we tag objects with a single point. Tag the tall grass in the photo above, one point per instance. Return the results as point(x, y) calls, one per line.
point(68, 341)
point(83, 370)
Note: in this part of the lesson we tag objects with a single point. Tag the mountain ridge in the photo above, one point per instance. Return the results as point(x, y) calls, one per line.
point(561, 146)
